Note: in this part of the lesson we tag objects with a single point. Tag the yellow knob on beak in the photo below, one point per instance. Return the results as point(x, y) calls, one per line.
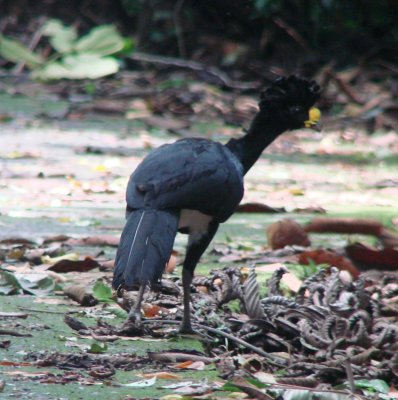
point(314, 115)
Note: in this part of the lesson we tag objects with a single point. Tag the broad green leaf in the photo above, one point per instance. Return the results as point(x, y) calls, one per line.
point(9, 284)
point(102, 292)
point(119, 312)
point(62, 38)
point(98, 348)
point(103, 40)
point(376, 385)
point(79, 66)
point(16, 52)
point(37, 284)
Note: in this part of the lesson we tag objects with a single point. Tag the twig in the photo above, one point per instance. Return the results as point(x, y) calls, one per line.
point(180, 357)
point(13, 333)
point(345, 87)
point(195, 66)
point(350, 375)
point(32, 45)
point(179, 31)
point(44, 311)
point(291, 32)
point(276, 361)
point(13, 315)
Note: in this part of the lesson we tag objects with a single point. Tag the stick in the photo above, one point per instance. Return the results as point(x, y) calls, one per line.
point(179, 31)
point(291, 32)
point(13, 333)
point(33, 43)
point(195, 66)
point(276, 361)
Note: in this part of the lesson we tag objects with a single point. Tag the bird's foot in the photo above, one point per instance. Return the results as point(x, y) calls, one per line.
point(186, 328)
point(133, 326)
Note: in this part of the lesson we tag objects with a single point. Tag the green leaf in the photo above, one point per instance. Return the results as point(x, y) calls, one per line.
point(98, 348)
point(9, 284)
point(37, 284)
point(62, 38)
point(103, 40)
point(16, 52)
point(78, 66)
point(376, 385)
point(119, 312)
point(102, 292)
point(301, 394)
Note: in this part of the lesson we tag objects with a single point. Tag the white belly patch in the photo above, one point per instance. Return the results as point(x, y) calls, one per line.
point(194, 220)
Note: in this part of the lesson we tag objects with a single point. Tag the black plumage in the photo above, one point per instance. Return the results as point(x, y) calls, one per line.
point(193, 185)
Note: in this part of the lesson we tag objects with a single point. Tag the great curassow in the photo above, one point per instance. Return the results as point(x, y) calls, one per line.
point(193, 185)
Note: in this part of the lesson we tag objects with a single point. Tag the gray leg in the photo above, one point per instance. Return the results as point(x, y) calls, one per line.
point(194, 251)
point(135, 312)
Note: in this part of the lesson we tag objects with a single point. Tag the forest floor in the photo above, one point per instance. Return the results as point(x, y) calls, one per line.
point(66, 156)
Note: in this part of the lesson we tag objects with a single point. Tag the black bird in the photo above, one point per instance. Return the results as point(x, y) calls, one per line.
point(193, 185)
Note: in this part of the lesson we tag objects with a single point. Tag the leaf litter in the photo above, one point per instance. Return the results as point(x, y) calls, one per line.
point(311, 332)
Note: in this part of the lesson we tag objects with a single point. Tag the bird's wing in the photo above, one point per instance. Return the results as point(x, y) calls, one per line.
point(190, 173)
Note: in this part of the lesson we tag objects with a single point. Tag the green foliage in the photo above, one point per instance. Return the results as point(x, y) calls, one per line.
point(373, 386)
point(14, 51)
point(98, 348)
point(91, 56)
point(102, 292)
point(305, 271)
point(11, 284)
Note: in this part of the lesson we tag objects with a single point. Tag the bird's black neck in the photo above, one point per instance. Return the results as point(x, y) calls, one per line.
point(262, 132)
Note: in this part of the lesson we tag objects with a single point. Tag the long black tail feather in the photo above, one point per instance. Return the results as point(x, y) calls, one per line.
point(145, 247)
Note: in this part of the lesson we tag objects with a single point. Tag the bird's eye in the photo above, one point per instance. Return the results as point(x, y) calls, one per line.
point(296, 109)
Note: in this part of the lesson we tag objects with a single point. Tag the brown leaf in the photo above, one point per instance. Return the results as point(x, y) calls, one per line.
point(330, 258)
point(74, 323)
point(258, 208)
point(370, 258)
point(161, 375)
point(79, 293)
point(56, 238)
point(110, 106)
point(5, 363)
point(151, 310)
point(286, 233)
point(101, 372)
point(98, 240)
point(171, 265)
point(17, 240)
point(79, 265)
point(195, 365)
point(5, 344)
point(345, 225)
point(168, 356)
point(168, 123)
point(250, 389)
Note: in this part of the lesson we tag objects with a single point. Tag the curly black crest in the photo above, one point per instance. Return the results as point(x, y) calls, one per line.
point(290, 91)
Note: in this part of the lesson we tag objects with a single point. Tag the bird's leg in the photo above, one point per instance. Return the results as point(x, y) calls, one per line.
point(196, 247)
point(133, 325)
point(135, 312)
point(187, 277)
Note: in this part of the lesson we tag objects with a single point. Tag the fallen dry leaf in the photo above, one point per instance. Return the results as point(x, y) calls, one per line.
point(329, 257)
point(194, 365)
point(75, 265)
point(286, 233)
point(161, 375)
point(368, 257)
point(79, 294)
